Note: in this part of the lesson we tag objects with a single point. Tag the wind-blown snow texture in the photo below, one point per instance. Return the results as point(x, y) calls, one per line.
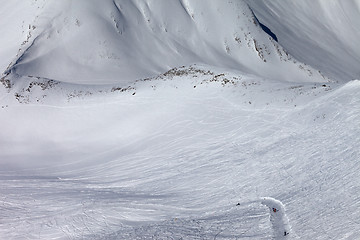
point(188, 122)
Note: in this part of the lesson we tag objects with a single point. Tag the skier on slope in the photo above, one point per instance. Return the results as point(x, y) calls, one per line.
point(275, 210)
point(278, 218)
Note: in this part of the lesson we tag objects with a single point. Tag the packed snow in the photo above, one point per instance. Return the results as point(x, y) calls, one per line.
point(188, 122)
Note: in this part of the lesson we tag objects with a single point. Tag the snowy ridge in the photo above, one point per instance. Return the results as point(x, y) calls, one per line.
point(17, 28)
point(121, 41)
point(322, 34)
point(35, 90)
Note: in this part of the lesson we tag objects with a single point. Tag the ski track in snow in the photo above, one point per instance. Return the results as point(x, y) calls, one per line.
point(187, 154)
point(181, 172)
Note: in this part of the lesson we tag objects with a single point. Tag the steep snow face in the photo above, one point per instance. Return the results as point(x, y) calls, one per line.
point(17, 17)
point(322, 33)
point(88, 41)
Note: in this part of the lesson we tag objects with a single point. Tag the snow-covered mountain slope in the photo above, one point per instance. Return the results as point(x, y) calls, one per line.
point(90, 41)
point(105, 135)
point(16, 22)
point(174, 160)
point(322, 33)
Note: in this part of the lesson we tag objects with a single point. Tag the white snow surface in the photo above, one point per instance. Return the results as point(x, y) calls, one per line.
point(159, 147)
point(322, 33)
point(173, 160)
point(16, 22)
point(117, 41)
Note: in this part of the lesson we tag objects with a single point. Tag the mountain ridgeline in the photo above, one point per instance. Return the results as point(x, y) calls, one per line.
point(120, 41)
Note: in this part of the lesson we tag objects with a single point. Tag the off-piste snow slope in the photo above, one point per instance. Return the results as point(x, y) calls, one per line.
point(91, 41)
point(322, 33)
point(176, 119)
